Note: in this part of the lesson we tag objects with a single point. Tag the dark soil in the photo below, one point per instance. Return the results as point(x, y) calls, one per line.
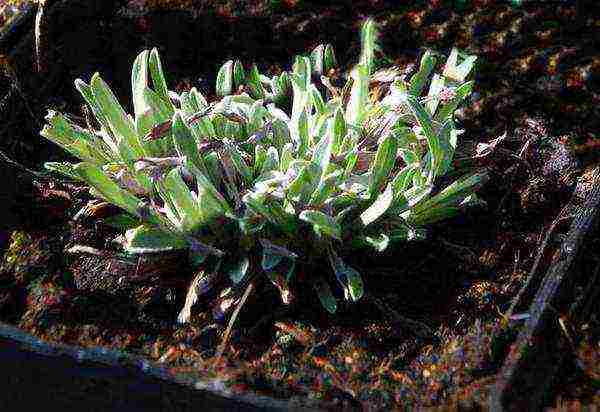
point(537, 79)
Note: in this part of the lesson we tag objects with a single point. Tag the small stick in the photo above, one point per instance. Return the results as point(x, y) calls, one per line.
point(11, 162)
point(533, 272)
point(232, 320)
point(38, 36)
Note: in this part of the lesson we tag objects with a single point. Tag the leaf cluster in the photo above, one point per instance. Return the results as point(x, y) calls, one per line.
point(277, 172)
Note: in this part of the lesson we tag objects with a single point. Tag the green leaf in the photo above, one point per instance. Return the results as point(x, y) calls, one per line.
point(260, 155)
point(225, 79)
point(158, 79)
point(433, 143)
point(384, 162)
point(238, 271)
point(368, 43)
point(402, 180)
point(208, 196)
point(88, 95)
point(303, 137)
point(448, 139)
point(269, 260)
point(458, 72)
point(355, 284)
point(271, 162)
point(325, 296)
point(281, 86)
point(64, 168)
point(277, 250)
point(327, 186)
point(359, 96)
point(303, 186)
point(184, 142)
point(120, 124)
point(96, 178)
point(239, 76)
point(287, 156)
point(201, 102)
point(437, 85)
point(339, 130)
point(240, 165)
point(349, 278)
point(257, 90)
point(271, 211)
point(351, 160)
point(416, 194)
point(329, 61)
point(122, 221)
point(322, 154)
point(139, 81)
point(187, 207)
point(302, 71)
point(379, 242)
point(317, 99)
point(419, 79)
point(322, 223)
point(146, 239)
point(427, 217)
point(410, 157)
point(456, 191)
point(406, 233)
point(79, 142)
point(316, 59)
point(379, 206)
point(448, 109)
point(156, 113)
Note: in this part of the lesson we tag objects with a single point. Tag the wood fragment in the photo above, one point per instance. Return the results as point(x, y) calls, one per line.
point(534, 360)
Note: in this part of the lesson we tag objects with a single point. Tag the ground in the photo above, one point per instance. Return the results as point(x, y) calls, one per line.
point(537, 80)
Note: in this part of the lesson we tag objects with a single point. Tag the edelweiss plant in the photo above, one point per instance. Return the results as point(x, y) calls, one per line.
point(280, 171)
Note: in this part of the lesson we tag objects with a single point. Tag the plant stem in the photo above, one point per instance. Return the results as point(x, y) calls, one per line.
point(234, 316)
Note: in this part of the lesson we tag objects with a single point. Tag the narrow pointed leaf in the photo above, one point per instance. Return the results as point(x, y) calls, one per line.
point(322, 223)
point(96, 178)
point(120, 124)
point(325, 296)
point(139, 81)
point(158, 79)
point(359, 95)
point(184, 142)
point(448, 109)
point(368, 42)
point(383, 164)
point(239, 270)
point(257, 90)
point(146, 239)
point(433, 143)
point(355, 284)
point(379, 242)
point(419, 79)
point(225, 79)
point(329, 61)
point(276, 250)
point(64, 168)
point(269, 261)
point(379, 206)
point(239, 76)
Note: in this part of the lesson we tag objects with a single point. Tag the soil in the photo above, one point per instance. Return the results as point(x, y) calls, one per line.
point(537, 80)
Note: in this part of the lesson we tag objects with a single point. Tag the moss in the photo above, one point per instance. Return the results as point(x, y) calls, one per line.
point(26, 259)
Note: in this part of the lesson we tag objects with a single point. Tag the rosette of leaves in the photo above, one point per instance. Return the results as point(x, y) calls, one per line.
point(277, 173)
